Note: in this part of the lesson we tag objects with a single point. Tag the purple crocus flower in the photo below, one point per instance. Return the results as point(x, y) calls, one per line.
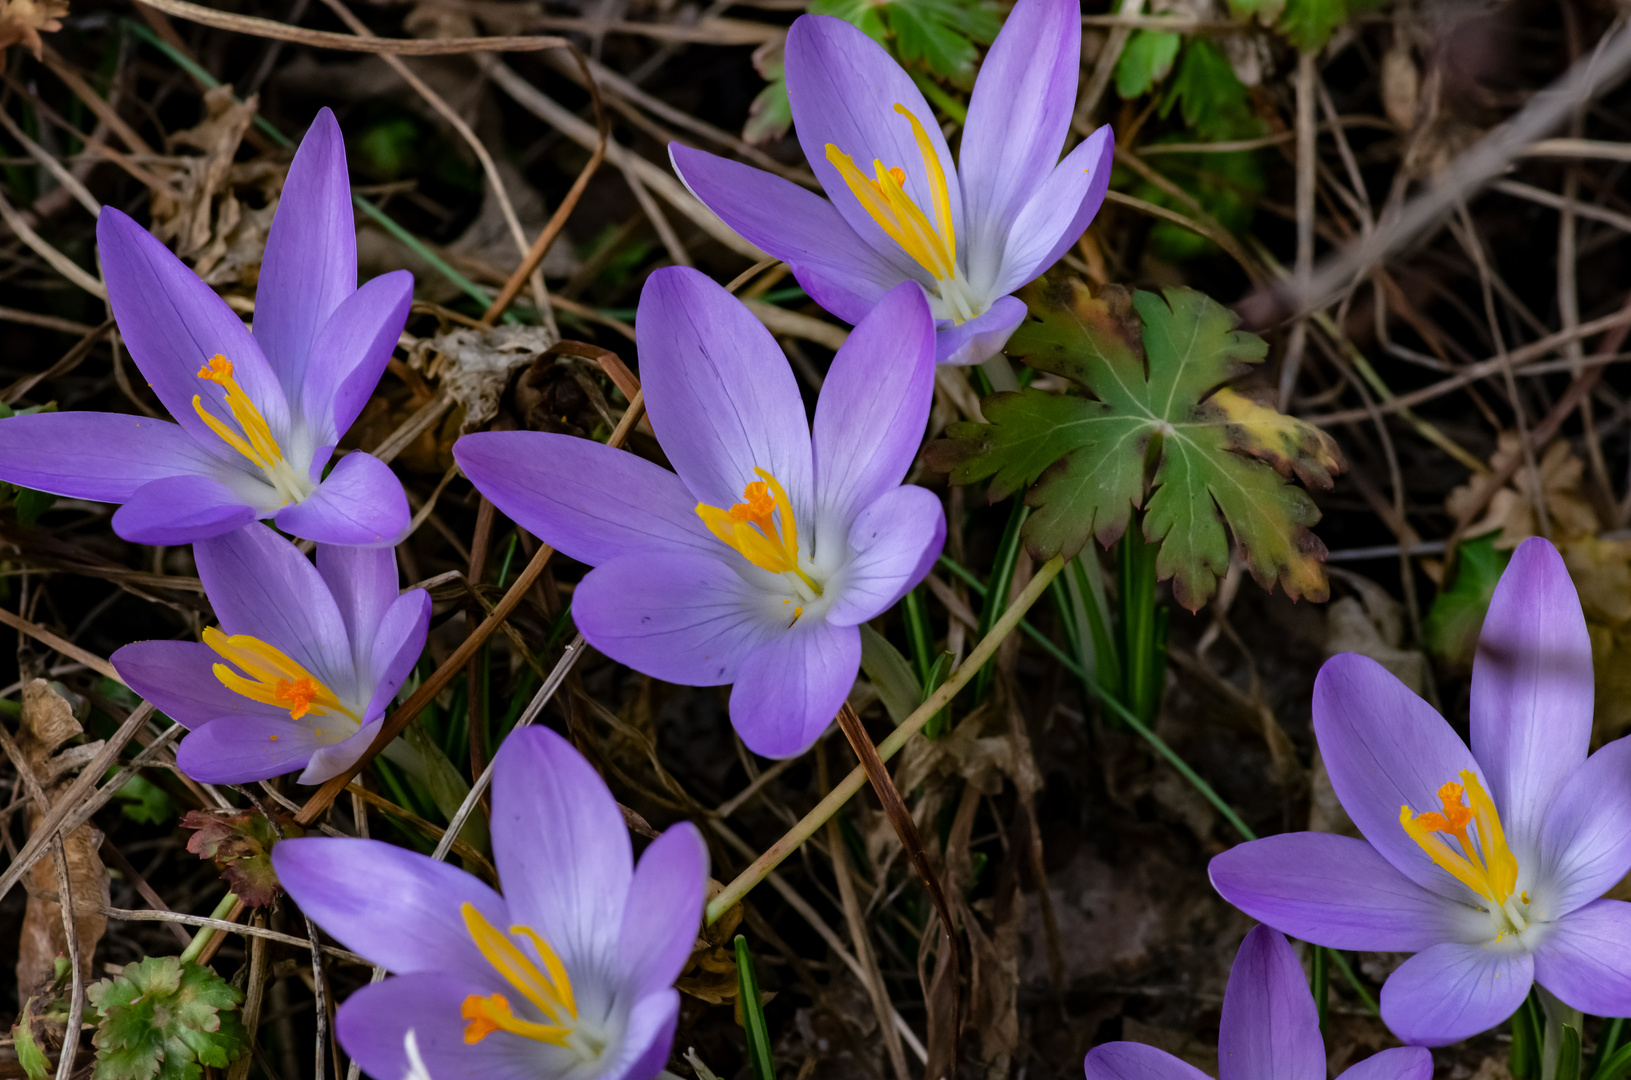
point(1270, 1031)
point(970, 233)
point(757, 563)
point(258, 416)
point(1488, 863)
point(300, 671)
point(569, 974)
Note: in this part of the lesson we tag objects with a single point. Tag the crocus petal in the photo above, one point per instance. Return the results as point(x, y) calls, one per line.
point(1394, 1063)
point(1386, 748)
point(1454, 991)
point(789, 689)
point(181, 510)
point(588, 501)
point(1585, 842)
point(648, 1039)
point(895, 542)
point(360, 502)
point(874, 404)
point(100, 456)
point(333, 758)
point(179, 678)
point(1059, 212)
point(397, 647)
point(722, 397)
point(982, 337)
point(1332, 890)
point(350, 352)
point(243, 749)
point(664, 910)
point(1135, 1061)
point(1531, 690)
point(1586, 959)
point(374, 1022)
point(561, 848)
point(398, 908)
point(1270, 1029)
point(362, 582)
point(840, 271)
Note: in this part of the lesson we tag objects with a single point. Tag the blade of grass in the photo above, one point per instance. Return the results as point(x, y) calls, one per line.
point(753, 1013)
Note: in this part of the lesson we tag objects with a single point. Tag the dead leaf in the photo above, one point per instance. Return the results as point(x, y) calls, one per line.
point(1601, 570)
point(476, 365)
point(187, 214)
point(240, 844)
point(23, 20)
point(1512, 509)
point(1371, 623)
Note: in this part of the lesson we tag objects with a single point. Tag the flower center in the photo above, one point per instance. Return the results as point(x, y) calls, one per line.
point(1483, 862)
point(550, 990)
point(273, 678)
point(763, 530)
point(256, 441)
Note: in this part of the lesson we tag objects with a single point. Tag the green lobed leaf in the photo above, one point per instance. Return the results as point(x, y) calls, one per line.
point(165, 1020)
point(36, 1066)
point(145, 802)
point(240, 843)
point(1145, 61)
point(1450, 629)
point(1210, 97)
point(940, 35)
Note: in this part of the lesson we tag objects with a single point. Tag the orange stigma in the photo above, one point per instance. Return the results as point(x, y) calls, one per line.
point(548, 988)
point(762, 528)
point(1483, 862)
point(264, 673)
point(298, 694)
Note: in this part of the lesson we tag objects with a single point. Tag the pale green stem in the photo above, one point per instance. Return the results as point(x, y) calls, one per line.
point(1001, 374)
point(201, 940)
point(1558, 1016)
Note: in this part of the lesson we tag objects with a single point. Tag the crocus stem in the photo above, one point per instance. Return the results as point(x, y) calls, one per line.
point(1559, 1018)
point(201, 940)
point(856, 780)
point(1001, 373)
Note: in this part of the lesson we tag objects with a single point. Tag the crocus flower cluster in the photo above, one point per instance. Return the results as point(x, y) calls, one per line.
point(568, 974)
point(1487, 862)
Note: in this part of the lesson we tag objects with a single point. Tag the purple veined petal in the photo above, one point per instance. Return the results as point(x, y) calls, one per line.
point(1394, 1063)
point(1270, 1029)
point(797, 226)
point(362, 582)
point(1332, 890)
point(1135, 1061)
point(359, 503)
point(588, 501)
point(1018, 115)
point(664, 910)
point(982, 337)
point(330, 759)
point(310, 265)
point(1454, 991)
point(349, 354)
point(398, 908)
point(721, 396)
point(396, 647)
point(895, 542)
point(648, 1039)
point(100, 456)
point(1531, 690)
point(1586, 959)
point(243, 749)
point(1058, 213)
point(179, 678)
point(1386, 748)
point(680, 617)
point(1585, 841)
point(874, 404)
point(173, 323)
point(374, 1022)
point(789, 689)
point(181, 510)
point(561, 848)
point(843, 88)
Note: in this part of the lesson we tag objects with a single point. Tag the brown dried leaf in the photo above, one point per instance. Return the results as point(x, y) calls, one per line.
point(23, 20)
point(187, 215)
point(1512, 509)
point(240, 843)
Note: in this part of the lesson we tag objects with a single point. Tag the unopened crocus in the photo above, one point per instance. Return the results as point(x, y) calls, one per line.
point(567, 976)
point(257, 415)
point(1270, 1030)
point(302, 667)
point(754, 562)
point(1489, 862)
point(897, 208)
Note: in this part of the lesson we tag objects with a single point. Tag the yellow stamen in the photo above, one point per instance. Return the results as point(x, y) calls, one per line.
point(752, 528)
point(256, 443)
point(1485, 864)
point(273, 677)
point(551, 993)
point(932, 245)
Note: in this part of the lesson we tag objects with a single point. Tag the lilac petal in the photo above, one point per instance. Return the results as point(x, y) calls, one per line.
point(1332, 890)
point(1386, 748)
point(1454, 991)
point(333, 758)
point(874, 404)
point(360, 502)
point(843, 88)
point(1394, 1063)
point(243, 749)
point(1270, 1029)
point(100, 456)
point(789, 689)
point(664, 911)
point(982, 337)
point(374, 1022)
point(1531, 691)
point(350, 352)
point(1586, 959)
point(588, 501)
point(648, 1039)
point(172, 323)
point(1059, 212)
point(1585, 842)
point(676, 616)
point(840, 271)
point(1135, 1061)
point(310, 265)
point(362, 582)
point(721, 396)
point(179, 678)
point(181, 510)
point(561, 848)
point(396, 647)
point(1018, 115)
point(396, 907)
point(894, 542)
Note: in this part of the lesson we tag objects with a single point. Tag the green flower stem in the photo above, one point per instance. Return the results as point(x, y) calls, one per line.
point(201, 940)
point(1560, 1038)
point(856, 780)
